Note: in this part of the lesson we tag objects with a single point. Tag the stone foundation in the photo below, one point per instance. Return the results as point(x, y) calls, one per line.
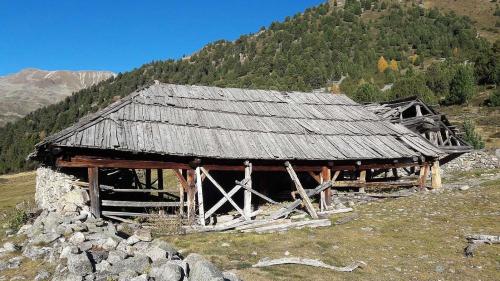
point(56, 191)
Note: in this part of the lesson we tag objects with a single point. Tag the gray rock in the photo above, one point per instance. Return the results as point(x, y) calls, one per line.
point(230, 276)
point(143, 277)
point(34, 252)
point(439, 268)
point(14, 262)
point(155, 253)
point(171, 251)
point(44, 239)
point(67, 277)
point(79, 264)
point(464, 188)
point(132, 240)
point(90, 277)
point(77, 238)
point(10, 247)
point(68, 250)
point(201, 269)
point(167, 272)
point(138, 263)
point(127, 275)
point(109, 244)
point(116, 256)
point(42, 275)
point(103, 266)
point(143, 234)
point(97, 255)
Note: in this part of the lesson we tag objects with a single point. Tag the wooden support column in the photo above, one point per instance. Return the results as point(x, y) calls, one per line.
point(182, 187)
point(148, 178)
point(300, 189)
point(424, 170)
point(362, 180)
point(201, 207)
point(247, 207)
point(436, 175)
point(326, 175)
point(94, 191)
point(159, 176)
point(191, 208)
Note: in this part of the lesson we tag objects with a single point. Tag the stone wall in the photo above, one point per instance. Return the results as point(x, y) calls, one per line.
point(477, 159)
point(56, 191)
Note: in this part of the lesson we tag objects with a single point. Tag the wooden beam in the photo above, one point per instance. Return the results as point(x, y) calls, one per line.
point(436, 175)
point(94, 191)
point(138, 204)
point(362, 180)
point(181, 191)
point(148, 178)
point(256, 192)
point(300, 189)
point(247, 200)
point(182, 181)
point(159, 176)
point(100, 162)
point(317, 178)
point(201, 207)
point(191, 204)
point(424, 170)
point(221, 202)
point(326, 175)
point(216, 184)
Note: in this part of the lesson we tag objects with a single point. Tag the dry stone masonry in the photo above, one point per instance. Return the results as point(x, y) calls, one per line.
point(85, 248)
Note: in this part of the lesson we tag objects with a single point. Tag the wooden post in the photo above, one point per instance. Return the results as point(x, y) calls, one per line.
point(191, 208)
point(201, 208)
point(94, 190)
point(424, 170)
point(148, 178)
point(436, 175)
point(326, 175)
point(362, 180)
point(247, 207)
point(159, 175)
point(181, 193)
point(300, 189)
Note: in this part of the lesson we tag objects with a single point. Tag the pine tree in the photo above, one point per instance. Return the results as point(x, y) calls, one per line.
point(382, 64)
point(461, 86)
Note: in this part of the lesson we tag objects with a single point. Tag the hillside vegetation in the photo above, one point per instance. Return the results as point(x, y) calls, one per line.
point(306, 51)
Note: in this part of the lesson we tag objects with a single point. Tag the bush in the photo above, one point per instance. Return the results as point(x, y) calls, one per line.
point(462, 86)
point(494, 99)
point(412, 85)
point(368, 93)
point(471, 136)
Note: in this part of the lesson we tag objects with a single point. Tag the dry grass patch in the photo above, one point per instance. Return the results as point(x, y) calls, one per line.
point(421, 237)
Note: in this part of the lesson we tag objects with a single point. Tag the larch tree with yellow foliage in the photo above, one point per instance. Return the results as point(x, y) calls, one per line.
point(394, 65)
point(382, 64)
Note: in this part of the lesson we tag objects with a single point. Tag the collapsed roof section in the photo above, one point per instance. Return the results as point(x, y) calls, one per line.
point(419, 117)
point(228, 123)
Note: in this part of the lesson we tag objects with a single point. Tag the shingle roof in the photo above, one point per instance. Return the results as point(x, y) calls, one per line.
point(228, 123)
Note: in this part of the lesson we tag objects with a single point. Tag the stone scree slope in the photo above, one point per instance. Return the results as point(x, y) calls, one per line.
point(86, 248)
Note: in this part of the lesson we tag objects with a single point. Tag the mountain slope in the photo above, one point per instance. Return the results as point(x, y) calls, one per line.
point(306, 51)
point(30, 89)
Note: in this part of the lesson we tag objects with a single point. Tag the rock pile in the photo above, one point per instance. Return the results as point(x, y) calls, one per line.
point(85, 248)
point(477, 159)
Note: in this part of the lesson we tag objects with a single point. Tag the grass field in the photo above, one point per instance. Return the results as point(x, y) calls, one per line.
point(414, 238)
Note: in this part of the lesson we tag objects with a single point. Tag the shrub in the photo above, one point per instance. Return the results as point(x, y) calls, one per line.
point(471, 136)
point(462, 86)
point(494, 99)
point(368, 93)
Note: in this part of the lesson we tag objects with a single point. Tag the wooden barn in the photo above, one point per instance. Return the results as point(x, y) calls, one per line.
point(231, 148)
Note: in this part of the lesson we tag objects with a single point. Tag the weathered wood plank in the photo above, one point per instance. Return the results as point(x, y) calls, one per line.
point(302, 192)
point(201, 206)
point(138, 204)
point(94, 190)
point(247, 200)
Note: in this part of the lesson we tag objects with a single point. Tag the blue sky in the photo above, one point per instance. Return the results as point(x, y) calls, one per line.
point(120, 35)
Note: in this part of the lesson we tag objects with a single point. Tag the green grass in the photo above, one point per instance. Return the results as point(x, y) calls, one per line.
point(410, 237)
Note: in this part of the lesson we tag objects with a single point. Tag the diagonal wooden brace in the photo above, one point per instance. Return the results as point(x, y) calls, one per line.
point(300, 189)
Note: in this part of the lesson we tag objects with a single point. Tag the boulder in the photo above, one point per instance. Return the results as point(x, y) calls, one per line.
point(201, 269)
point(103, 266)
point(42, 275)
point(156, 253)
point(79, 264)
point(171, 251)
point(230, 276)
point(138, 263)
point(10, 247)
point(44, 239)
point(143, 235)
point(116, 256)
point(166, 272)
point(109, 244)
point(77, 238)
point(143, 277)
point(127, 275)
point(34, 252)
point(132, 240)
